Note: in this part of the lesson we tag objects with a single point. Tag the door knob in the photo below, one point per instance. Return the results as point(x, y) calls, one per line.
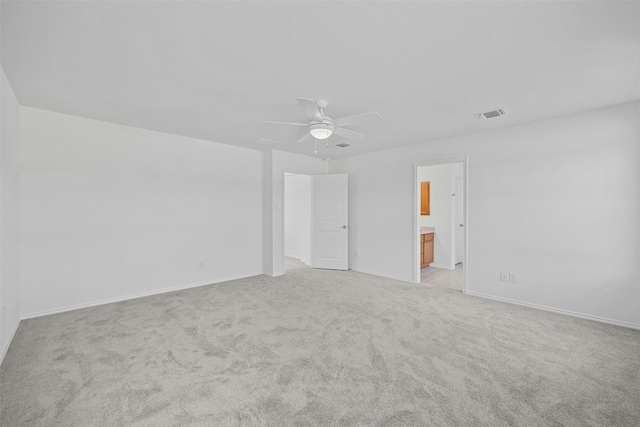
point(344, 226)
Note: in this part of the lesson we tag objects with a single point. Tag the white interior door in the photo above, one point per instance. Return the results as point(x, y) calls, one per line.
point(459, 218)
point(330, 244)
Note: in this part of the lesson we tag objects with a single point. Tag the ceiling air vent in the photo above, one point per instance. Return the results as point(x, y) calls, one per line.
point(343, 145)
point(491, 114)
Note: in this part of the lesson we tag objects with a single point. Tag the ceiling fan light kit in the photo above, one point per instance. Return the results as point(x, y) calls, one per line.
point(321, 130)
point(322, 126)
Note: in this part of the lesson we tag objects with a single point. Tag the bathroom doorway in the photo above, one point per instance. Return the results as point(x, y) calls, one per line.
point(440, 224)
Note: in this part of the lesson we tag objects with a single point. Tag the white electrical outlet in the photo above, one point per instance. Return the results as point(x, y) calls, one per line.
point(4, 312)
point(513, 277)
point(201, 264)
point(504, 276)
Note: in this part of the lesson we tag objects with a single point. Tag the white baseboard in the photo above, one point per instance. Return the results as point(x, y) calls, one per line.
point(558, 310)
point(8, 344)
point(448, 267)
point(134, 296)
point(386, 276)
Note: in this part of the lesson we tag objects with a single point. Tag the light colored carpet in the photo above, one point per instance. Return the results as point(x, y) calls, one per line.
point(319, 348)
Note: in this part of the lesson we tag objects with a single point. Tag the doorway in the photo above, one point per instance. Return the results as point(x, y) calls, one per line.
point(441, 231)
point(315, 221)
point(298, 195)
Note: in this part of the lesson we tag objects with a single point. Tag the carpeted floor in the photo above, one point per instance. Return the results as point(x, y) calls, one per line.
point(319, 348)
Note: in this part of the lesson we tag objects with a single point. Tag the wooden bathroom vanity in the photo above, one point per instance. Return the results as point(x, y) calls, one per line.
point(426, 246)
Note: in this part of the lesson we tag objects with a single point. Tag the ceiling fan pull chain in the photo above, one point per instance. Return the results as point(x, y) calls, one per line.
point(315, 146)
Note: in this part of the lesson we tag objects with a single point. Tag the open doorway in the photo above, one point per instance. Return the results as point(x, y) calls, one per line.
point(315, 221)
point(298, 195)
point(441, 224)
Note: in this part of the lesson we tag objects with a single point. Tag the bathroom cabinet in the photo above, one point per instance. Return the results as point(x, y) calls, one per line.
point(426, 249)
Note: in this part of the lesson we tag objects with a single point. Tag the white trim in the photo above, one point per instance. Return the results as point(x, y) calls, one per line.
point(446, 267)
point(282, 228)
point(386, 276)
point(134, 296)
point(11, 336)
point(417, 262)
point(558, 311)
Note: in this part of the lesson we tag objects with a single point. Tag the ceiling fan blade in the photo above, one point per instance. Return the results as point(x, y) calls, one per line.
point(349, 134)
point(310, 108)
point(285, 123)
point(307, 137)
point(357, 119)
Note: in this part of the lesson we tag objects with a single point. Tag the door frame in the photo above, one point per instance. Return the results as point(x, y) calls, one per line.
point(416, 214)
point(456, 222)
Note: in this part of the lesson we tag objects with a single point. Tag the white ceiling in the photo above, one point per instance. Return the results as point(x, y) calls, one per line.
point(215, 70)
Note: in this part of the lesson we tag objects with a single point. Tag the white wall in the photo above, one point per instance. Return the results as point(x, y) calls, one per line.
point(277, 163)
point(297, 217)
point(110, 211)
point(441, 212)
point(555, 201)
point(9, 215)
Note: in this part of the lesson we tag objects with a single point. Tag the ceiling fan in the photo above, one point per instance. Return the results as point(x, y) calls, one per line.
point(322, 126)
